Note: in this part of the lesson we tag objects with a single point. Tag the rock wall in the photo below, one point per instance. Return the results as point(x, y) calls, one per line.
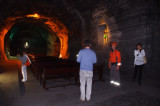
point(129, 23)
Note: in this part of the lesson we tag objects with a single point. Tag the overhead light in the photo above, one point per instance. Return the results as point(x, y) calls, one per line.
point(60, 56)
point(33, 15)
point(26, 45)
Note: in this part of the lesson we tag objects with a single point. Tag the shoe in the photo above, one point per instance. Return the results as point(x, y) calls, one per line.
point(88, 100)
point(82, 99)
point(111, 82)
point(117, 83)
point(23, 80)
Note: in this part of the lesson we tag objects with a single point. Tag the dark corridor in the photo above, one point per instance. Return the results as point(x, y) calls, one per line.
point(32, 37)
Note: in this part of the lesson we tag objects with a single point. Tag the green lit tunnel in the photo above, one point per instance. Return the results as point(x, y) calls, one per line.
point(35, 38)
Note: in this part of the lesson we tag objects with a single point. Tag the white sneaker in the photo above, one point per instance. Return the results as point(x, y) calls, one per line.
point(117, 83)
point(112, 82)
point(88, 100)
point(23, 80)
point(82, 99)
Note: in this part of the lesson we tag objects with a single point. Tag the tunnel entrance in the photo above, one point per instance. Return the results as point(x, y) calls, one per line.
point(33, 38)
point(51, 23)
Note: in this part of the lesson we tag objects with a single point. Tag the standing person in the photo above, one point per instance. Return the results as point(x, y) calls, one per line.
point(114, 64)
point(139, 55)
point(25, 61)
point(86, 58)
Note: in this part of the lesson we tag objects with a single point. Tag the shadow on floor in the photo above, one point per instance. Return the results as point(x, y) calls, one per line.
point(21, 84)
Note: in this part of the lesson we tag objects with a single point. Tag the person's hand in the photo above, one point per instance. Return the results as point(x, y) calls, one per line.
point(24, 64)
point(109, 66)
point(117, 67)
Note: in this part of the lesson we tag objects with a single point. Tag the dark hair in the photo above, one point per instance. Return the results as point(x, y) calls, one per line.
point(87, 43)
point(24, 50)
point(139, 44)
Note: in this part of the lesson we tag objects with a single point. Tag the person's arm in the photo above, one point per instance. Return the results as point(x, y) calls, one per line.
point(19, 57)
point(109, 64)
point(118, 58)
point(136, 54)
point(95, 58)
point(79, 57)
point(144, 54)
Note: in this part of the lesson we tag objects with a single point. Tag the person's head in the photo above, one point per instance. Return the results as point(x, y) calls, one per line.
point(139, 46)
point(113, 45)
point(24, 52)
point(87, 43)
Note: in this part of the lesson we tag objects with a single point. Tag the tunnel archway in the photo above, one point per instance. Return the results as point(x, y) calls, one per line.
point(53, 23)
point(32, 37)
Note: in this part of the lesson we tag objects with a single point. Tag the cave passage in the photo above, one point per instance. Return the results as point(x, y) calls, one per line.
point(33, 38)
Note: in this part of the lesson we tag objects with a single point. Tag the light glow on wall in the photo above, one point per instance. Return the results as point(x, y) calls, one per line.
point(60, 56)
point(33, 15)
point(106, 34)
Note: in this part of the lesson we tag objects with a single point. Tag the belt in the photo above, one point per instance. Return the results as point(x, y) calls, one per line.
point(114, 64)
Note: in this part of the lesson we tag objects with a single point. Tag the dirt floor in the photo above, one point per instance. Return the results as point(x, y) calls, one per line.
point(15, 93)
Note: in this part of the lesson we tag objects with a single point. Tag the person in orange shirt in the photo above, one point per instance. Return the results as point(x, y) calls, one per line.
point(114, 64)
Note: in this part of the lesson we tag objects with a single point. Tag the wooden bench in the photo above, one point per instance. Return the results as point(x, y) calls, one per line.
point(46, 61)
point(60, 72)
point(38, 68)
point(64, 70)
point(46, 68)
point(98, 70)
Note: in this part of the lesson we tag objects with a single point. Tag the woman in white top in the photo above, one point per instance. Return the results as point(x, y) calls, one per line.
point(139, 55)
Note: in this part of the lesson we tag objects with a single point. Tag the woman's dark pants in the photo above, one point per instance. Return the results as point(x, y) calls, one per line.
point(138, 70)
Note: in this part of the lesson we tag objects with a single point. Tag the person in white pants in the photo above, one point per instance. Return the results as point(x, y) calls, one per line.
point(24, 73)
point(24, 59)
point(86, 79)
point(86, 58)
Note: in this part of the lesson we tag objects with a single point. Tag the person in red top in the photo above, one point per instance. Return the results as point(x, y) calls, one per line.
point(114, 64)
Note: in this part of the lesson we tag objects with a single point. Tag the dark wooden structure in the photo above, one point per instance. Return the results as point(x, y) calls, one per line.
point(47, 68)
